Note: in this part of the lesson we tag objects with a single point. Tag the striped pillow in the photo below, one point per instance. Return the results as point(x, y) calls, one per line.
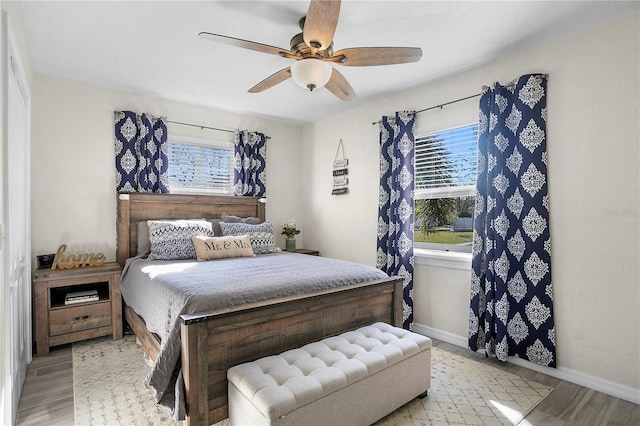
point(171, 240)
point(262, 239)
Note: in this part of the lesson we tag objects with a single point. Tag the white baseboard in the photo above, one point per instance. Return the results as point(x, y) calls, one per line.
point(443, 336)
point(579, 378)
point(596, 383)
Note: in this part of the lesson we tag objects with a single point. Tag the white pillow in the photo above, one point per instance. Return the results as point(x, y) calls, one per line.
point(209, 248)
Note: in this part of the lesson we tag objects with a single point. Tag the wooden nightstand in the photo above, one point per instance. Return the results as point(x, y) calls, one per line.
point(57, 323)
point(310, 252)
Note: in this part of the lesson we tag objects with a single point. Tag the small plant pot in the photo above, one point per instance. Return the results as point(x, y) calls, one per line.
point(290, 244)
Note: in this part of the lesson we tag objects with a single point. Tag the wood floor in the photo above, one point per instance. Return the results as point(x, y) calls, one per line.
point(47, 398)
point(47, 395)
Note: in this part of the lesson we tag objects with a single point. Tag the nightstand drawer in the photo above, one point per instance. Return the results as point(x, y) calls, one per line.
point(85, 317)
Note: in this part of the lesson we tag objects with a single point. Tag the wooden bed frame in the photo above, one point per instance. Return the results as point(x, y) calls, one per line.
point(214, 341)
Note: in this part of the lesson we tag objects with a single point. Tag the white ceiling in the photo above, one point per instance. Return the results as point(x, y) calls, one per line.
point(153, 47)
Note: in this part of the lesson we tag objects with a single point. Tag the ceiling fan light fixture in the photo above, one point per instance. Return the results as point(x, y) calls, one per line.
point(311, 73)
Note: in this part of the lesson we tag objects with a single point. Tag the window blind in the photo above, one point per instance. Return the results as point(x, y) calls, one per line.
point(200, 168)
point(445, 163)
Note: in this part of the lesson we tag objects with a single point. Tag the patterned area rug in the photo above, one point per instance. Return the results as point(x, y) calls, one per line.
point(108, 384)
point(108, 387)
point(467, 392)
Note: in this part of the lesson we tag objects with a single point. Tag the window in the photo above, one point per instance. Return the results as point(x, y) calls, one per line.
point(200, 166)
point(445, 170)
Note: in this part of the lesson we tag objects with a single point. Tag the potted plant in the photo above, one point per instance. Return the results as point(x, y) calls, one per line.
point(290, 231)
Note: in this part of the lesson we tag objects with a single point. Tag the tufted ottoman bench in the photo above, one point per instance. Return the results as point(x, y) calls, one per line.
point(355, 378)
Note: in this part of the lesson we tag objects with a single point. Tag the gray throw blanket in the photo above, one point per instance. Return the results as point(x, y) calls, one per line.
point(161, 291)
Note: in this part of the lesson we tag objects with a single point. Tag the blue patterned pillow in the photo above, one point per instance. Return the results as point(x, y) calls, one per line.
point(262, 239)
point(171, 240)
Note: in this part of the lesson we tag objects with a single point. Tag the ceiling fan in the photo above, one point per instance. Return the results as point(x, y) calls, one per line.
point(312, 49)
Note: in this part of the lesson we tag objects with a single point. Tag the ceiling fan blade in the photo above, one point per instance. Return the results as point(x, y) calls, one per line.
point(272, 80)
point(369, 56)
point(339, 86)
point(320, 23)
point(246, 44)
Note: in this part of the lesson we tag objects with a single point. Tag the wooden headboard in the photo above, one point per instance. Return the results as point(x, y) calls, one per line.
point(133, 208)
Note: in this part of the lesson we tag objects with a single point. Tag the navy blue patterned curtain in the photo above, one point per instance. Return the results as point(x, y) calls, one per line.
point(141, 153)
point(511, 294)
point(249, 177)
point(395, 205)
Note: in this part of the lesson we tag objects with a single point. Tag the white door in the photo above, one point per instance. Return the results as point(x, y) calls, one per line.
point(16, 250)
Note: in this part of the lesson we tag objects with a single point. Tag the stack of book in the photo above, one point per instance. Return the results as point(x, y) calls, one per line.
point(81, 296)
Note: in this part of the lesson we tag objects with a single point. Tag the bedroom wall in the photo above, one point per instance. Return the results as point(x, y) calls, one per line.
point(594, 162)
point(73, 182)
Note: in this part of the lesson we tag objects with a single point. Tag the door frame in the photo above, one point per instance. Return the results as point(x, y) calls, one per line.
point(11, 389)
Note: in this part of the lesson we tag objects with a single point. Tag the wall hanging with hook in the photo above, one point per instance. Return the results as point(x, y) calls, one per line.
point(340, 171)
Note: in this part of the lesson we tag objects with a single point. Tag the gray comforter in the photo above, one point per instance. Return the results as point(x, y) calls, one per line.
point(160, 291)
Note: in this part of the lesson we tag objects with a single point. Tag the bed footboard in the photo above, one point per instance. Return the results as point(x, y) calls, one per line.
point(213, 342)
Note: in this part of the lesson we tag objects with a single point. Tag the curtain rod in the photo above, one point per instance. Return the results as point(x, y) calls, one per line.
point(484, 89)
point(206, 127)
point(438, 106)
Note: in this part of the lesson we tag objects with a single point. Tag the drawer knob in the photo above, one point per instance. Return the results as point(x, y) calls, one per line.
point(82, 318)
